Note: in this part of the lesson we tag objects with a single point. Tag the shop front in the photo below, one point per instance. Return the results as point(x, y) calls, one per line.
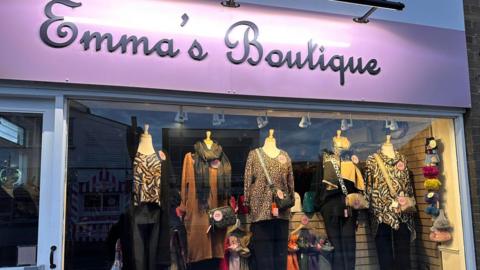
point(123, 124)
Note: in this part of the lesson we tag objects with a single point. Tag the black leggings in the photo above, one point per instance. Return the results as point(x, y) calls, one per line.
point(393, 247)
point(341, 233)
point(270, 241)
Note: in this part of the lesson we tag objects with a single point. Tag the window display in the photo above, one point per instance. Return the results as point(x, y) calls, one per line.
point(161, 186)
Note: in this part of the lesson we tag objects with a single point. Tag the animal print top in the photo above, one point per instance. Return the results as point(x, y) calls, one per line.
point(146, 178)
point(378, 193)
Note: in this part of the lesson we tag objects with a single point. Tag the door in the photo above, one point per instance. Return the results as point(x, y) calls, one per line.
point(30, 204)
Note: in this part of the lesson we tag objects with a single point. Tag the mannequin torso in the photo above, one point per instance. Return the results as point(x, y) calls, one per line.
point(145, 145)
point(387, 148)
point(340, 143)
point(208, 141)
point(270, 145)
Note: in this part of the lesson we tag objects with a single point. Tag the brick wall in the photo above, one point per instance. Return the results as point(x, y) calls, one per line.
point(472, 117)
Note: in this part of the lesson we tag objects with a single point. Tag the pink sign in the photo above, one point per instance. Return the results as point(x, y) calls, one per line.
point(203, 47)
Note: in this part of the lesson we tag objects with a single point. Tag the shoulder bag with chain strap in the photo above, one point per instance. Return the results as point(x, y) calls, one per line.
point(282, 203)
point(403, 204)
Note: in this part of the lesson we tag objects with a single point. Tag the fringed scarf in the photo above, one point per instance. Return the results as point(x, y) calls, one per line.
point(215, 158)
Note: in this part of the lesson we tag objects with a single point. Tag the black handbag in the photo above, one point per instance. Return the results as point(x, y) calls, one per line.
point(222, 217)
point(282, 203)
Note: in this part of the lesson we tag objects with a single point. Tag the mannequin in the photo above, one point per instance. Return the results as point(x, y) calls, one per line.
point(146, 145)
point(340, 220)
point(208, 141)
point(270, 145)
point(393, 230)
point(269, 224)
point(206, 182)
point(387, 148)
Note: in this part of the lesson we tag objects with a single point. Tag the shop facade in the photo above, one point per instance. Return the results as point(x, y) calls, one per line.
point(80, 80)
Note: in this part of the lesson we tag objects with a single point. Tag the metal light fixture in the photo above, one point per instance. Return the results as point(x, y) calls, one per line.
point(181, 116)
point(230, 3)
point(218, 119)
point(374, 5)
point(305, 122)
point(391, 124)
point(346, 124)
point(262, 121)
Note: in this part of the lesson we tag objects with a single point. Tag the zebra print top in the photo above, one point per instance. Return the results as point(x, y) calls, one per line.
point(146, 178)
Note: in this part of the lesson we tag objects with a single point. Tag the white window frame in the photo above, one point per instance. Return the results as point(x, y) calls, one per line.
point(50, 225)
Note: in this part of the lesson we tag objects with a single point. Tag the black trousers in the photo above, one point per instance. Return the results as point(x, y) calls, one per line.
point(341, 233)
point(393, 247)
point(270, 244)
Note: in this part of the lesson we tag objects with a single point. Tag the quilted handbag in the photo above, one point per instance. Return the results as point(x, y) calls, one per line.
point(222, 217)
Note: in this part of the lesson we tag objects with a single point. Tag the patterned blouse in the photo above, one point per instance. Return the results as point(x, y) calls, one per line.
point(378, 193)
point(146, 178)
point(258, 195)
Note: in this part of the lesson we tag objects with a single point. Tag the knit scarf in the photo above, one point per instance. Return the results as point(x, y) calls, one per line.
point(215, 158)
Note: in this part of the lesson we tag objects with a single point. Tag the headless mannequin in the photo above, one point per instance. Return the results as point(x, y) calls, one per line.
point(387, 148)
point(145, 145)
point(208, 141)
point(340, 228)
point(270, 145)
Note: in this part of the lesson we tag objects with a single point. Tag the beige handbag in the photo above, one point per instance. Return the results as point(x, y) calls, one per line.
point(404, 204)
point(357, 201)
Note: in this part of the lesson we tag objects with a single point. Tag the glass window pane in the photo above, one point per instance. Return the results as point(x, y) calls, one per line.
point(20, 150)
point(104, 139)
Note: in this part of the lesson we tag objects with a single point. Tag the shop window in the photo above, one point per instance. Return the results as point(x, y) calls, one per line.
point(102, 189)
point(20, 148)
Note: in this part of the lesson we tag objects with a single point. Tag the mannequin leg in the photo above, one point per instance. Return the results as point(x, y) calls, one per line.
point(263, 245)
point(334, 231)
point(401, 239)
point(281, 244)
point(348, 240)
point(383, 241)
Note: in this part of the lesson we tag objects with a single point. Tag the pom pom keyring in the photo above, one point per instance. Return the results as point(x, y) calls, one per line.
point(432, 197)
point(432, 184)
point(430, 171)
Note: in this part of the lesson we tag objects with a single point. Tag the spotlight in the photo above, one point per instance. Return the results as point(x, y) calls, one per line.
point(181, 116)
point(230, 3)
point(218, 119)
point(262, 121)
point(346, 124)
point(391, 124)
point(376, 3)
point(305, 122)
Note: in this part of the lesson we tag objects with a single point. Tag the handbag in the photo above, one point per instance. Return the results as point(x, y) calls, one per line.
point(405, 204)
point(355, 200)
point(440, 236)
point(222, 217)
point(283, 202)
point(308, 202)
